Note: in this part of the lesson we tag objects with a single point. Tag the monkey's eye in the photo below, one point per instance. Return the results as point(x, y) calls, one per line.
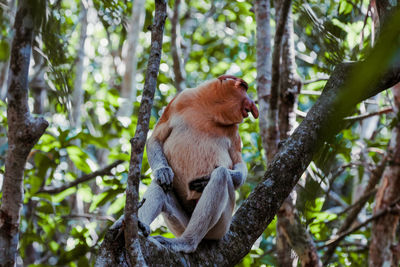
point(244, 85)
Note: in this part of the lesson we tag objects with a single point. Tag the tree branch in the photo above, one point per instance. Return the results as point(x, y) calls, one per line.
point(84, 178)
point(138, 141)
point(368, 115)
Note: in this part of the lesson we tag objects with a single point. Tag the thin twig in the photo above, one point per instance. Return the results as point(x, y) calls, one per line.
point(390, 208)
point(368, 115)
point(360, 202)
point(315, 80)
point(105, 171)
point(90, 216)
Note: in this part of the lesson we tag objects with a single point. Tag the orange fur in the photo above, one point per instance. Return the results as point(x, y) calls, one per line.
point(199, 132)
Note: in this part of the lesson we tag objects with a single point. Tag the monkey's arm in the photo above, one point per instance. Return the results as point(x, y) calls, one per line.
point(156, 157)
point(239, 172)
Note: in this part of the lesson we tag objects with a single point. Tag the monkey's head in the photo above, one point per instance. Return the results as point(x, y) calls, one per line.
point(233, 100)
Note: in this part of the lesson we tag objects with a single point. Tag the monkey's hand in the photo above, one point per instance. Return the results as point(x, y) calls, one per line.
point(237, 178)
point(164, 177)
point(199, 184)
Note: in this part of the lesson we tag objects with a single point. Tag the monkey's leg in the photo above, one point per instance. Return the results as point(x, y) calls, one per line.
point(213, 211)
point(157, 201)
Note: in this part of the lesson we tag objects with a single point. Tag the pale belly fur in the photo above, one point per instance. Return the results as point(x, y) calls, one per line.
point(199, 154)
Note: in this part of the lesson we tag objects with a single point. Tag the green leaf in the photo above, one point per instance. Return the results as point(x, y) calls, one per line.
point(117, 205)
point(4, 50)
point(79, 157)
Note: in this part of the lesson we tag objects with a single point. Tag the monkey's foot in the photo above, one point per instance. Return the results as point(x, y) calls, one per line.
point(177, 244)
point(144, 228)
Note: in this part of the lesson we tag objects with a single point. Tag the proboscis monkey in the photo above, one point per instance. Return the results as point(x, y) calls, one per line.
point(195, 155)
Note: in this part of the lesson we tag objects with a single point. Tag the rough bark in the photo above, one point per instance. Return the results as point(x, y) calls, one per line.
point(139, 140)
point(23, 132)
point(296, 236)
point(177, 58)
point(128, 90)
point(349, 84)
point(383, 229)
point(290, 84)
point(284, 253)
point(263, 16)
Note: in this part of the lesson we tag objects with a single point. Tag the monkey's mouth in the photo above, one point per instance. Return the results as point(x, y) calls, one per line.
point(245, 112)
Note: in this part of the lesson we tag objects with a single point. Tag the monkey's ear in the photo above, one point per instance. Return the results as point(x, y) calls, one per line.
point(242, 83)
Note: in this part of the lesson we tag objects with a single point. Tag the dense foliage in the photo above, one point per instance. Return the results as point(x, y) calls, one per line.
point(66, 228)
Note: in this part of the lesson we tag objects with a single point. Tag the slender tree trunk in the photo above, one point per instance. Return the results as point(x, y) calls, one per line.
point(178, 65)
point(132, 244)
point(128, 90)
point(272, 121)
point(38, 84)
point(263, 16)
point(291, 234)
point(383, 229)
point(76, 201)
point(287, 119)
point(23, 132)
point(77, 96)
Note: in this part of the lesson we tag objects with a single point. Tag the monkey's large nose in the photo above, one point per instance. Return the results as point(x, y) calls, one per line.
point(254, 110)
point(249, 106)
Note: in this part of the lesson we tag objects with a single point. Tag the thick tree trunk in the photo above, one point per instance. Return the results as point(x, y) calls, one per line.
point(383, 229)
point(23, 132)
point(349, 84)
point(128, 90)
